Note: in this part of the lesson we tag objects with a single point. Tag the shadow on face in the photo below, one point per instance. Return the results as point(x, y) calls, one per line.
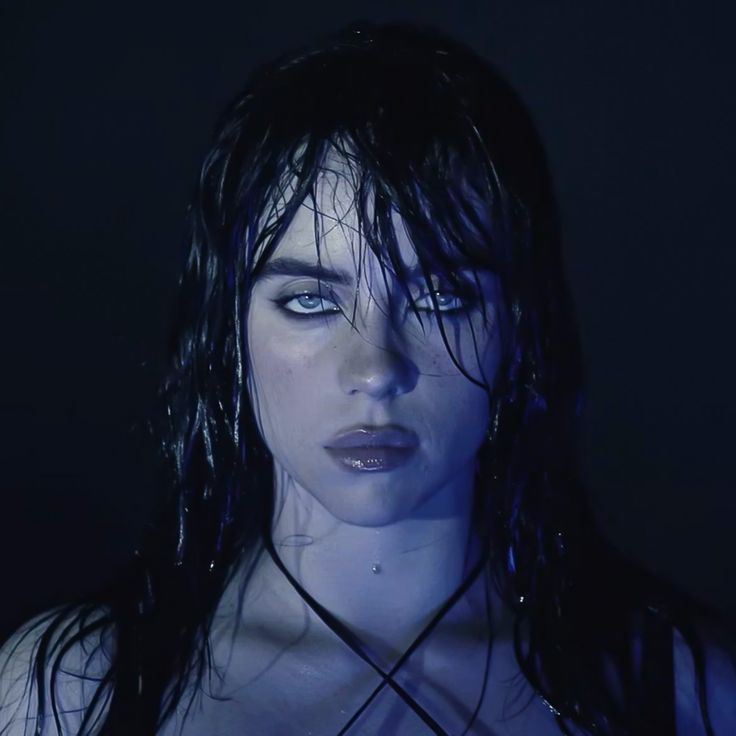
point(333, 343)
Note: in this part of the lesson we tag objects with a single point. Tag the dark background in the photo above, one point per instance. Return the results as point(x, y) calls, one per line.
point(107, 112)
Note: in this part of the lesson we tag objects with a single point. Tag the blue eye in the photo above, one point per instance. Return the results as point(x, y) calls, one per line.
point(444, 298)
point(309, 302)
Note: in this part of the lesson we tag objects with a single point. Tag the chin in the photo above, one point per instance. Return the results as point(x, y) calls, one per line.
point(370, 508)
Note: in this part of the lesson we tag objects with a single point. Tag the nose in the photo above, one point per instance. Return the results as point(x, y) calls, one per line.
point(375, 362)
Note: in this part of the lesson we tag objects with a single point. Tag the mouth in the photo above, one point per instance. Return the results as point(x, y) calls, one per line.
point(371, 459)
point(385, 436)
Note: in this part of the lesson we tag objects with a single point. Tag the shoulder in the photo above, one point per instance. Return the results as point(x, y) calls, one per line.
point(720, 684)
point(65, 640)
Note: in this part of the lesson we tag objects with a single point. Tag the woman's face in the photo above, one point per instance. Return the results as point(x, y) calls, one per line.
point(313, 374)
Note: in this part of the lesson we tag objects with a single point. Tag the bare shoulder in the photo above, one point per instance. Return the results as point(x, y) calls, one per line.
point(60, 637)
point(720, 685)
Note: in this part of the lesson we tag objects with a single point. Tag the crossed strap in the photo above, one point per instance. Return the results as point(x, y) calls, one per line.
point(349, 638)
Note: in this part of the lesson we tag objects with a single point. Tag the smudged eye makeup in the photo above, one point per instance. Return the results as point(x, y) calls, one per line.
point(305, 303)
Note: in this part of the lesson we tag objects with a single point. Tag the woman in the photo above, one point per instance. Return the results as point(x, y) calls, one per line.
point(375, 523)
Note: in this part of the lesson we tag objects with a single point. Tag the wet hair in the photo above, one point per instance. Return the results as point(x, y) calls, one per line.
point(429, 130)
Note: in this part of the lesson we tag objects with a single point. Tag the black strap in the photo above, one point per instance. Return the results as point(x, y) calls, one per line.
point(353, 642)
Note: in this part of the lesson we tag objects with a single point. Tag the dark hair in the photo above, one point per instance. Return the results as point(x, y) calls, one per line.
point(430, 131)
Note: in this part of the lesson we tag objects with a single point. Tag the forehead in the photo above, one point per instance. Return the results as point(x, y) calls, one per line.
point(326, 232)
point(328, 222)
point(325, 236)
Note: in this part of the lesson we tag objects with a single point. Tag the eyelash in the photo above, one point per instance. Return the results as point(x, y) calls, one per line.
point(469, 300)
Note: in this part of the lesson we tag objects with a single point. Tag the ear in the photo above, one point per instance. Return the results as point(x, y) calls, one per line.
point(720, 686)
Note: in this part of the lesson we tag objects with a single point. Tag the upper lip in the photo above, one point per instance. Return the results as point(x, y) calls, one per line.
point(365, 435)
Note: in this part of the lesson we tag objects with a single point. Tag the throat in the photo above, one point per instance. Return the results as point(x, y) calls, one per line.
point(383, 629)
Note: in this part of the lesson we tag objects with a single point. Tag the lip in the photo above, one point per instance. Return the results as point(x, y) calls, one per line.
point(384, 436)
point(370, 459)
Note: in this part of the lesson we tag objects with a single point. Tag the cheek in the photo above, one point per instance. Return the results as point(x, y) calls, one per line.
point(285, 379)
point(459, 407)
point(480, 360)
point(462, 411)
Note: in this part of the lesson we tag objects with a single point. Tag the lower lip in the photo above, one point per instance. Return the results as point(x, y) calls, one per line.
point(370, 459)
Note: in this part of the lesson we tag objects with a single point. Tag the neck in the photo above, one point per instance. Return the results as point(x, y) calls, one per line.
point(385, 583)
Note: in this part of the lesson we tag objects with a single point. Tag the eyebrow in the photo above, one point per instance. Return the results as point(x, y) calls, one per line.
point(285, 266)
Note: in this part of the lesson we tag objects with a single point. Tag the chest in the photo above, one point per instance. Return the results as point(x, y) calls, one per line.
point(311, 691)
